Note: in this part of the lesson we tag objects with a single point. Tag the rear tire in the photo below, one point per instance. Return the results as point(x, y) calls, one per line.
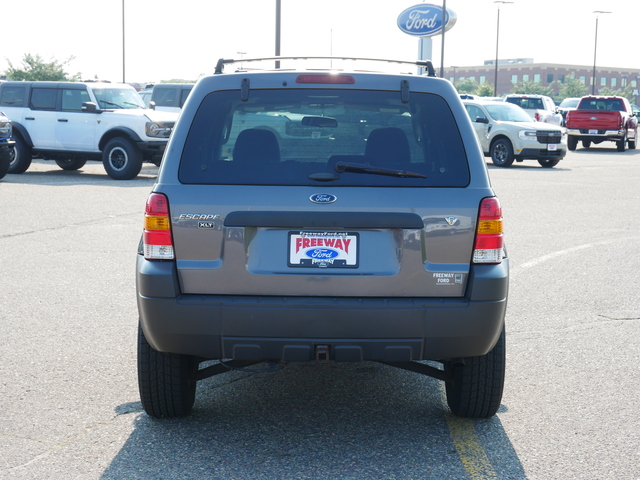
point(502, 153)
point(548, 162)
point(572, 142)
point(586, 143)
point(621, 145)
point(71, 163)
point(21, 157)
point(166, 381)
point(122, 159)
point(474, 390)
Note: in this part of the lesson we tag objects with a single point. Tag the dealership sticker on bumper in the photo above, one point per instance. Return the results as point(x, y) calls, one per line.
point(323, 249)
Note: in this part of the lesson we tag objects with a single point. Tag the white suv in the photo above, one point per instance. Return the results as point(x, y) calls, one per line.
point(72, 122)
point(507, 134)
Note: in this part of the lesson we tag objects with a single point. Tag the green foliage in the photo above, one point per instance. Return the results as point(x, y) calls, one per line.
point(466, 86)
point(34, 68)
point(572, 88)
point(532, 88)
point(484, 90)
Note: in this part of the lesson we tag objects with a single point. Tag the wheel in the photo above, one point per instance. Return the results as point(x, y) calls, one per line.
point(122, 159)
point(5, 160)
point(474, 389)
point(632, 143)
point(71, 164)
point(502, 153)
point(586, 143)
point(21, 157)
point(166, 381)
point(572, 142)
point(549, 162)
point(621, 145)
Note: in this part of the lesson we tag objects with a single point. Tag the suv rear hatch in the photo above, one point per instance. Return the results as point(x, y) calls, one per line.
point(326, 190)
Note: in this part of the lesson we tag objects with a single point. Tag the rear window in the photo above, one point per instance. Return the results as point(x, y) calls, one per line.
point(527, 103)
point(324, 136)
point(607, 104)
point(12, 96)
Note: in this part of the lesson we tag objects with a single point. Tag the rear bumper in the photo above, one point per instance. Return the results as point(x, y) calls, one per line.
point(600, 136)
point(393, 329)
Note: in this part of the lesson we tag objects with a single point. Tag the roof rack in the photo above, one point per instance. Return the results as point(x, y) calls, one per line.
point(419, 63)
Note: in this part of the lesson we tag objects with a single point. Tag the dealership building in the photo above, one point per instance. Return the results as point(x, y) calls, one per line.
point(519, 70)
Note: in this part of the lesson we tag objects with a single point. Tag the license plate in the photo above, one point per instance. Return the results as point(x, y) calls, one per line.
point(552, 147)
point(593, 132)
point(323, 249)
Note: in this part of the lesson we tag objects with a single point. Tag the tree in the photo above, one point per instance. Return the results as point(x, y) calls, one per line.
point(573, 88)
point(532, 88)
point(34, 68)
point(466, 86)
point(485, 90)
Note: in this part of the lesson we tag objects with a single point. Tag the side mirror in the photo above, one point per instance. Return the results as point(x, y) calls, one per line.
point(89, 107)
point(152, 105)
point(481, 120)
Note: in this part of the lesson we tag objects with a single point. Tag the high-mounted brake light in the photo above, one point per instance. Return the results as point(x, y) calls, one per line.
point(489, 237)
point(326, 78)
point(158, 244)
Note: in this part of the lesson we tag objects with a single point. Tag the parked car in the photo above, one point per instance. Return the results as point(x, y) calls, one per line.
point(170, 97)
point(382, 243)
point(145, 95)
point(566, 106)
point(506, 133)
point(539, 107)
point(6, 144)
point(72, 122)
point(599, 119)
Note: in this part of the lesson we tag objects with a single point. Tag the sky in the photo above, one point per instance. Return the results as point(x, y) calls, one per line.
point(166, 40)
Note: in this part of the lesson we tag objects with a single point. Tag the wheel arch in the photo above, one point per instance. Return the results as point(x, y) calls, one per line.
point(19, 129)
point(500, 136)
point(118, 132)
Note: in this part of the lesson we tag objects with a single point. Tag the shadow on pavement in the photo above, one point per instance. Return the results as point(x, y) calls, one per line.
point(362, 420)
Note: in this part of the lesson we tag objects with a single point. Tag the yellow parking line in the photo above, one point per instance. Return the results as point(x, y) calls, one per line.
point(468, 447)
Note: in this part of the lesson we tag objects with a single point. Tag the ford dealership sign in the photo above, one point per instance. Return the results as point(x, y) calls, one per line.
point(425, 20)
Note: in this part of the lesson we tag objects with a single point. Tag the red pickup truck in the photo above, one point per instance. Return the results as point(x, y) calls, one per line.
point(598, 119)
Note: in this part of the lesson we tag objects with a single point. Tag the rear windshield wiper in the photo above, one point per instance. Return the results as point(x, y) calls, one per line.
point(364, 168)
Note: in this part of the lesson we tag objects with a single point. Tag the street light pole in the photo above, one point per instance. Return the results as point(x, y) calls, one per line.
point(123, 62)
point(595, 51)
point(495, 81)
point(278, 16)
point(444, 24)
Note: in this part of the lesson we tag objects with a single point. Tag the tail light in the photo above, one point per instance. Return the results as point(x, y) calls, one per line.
point(489, 237)
point(537, 116)
point(157, 241)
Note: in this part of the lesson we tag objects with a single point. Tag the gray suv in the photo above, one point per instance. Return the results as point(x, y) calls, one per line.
point(312, 216)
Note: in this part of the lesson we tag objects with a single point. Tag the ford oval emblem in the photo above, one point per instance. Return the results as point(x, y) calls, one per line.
point(425, 20)
point(322, 253)
point(323, 198)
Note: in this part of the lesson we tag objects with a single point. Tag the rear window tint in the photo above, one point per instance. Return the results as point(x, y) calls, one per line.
point(12, 96)
point(297, 136)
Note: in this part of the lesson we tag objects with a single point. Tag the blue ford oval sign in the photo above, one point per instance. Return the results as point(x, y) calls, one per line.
point(323, 198)
point(425, 20)
point(322, 253)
